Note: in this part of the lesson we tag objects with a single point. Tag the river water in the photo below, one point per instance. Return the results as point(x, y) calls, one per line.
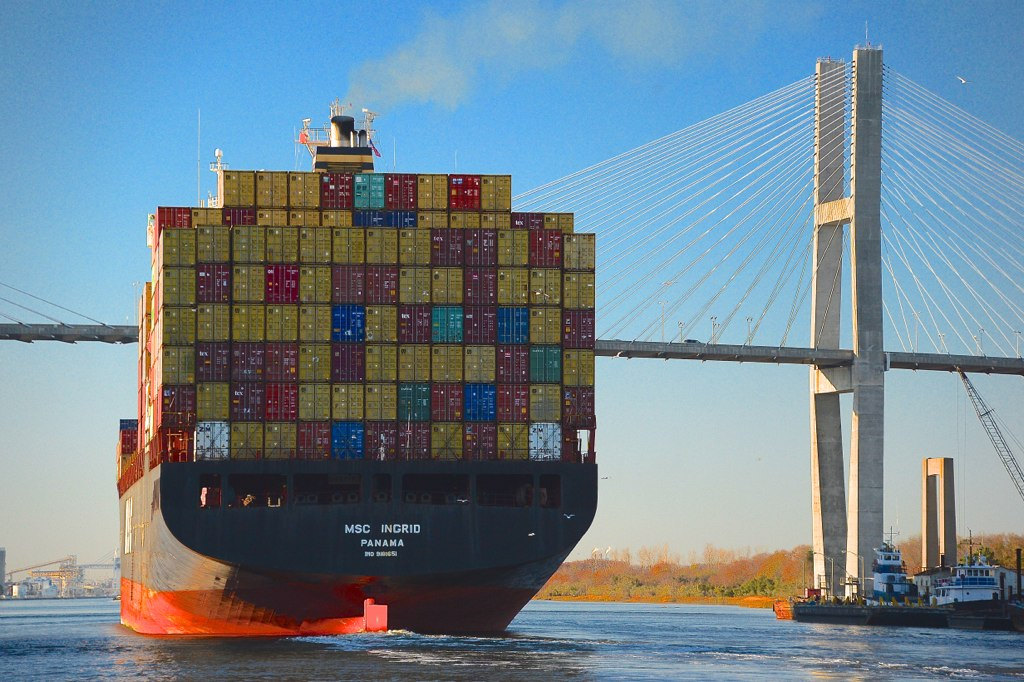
point(81, 639)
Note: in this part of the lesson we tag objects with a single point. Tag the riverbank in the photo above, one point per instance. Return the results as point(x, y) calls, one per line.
point(750, 602)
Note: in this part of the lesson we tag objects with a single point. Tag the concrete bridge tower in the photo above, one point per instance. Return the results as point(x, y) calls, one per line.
point(846, 531)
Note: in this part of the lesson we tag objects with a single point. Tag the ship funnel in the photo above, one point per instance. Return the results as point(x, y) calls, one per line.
point(342, 131)
point(363, 139)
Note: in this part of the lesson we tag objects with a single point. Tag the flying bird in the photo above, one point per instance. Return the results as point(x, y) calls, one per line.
point(568, 516)
point(619, 354)
point(963, 81)
point(530, 535)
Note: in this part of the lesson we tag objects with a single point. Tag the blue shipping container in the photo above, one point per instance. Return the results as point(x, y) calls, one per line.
point(348, 323)
point(480, 402)
point(369, 219)
point(513, 325)
point(400, 219)
point(347, 440)
point(446, 324)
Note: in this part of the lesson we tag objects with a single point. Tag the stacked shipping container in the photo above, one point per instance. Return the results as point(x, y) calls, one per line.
point(372, 315)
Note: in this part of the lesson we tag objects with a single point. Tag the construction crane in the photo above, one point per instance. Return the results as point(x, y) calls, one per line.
point(70, 559)
point(988, 421)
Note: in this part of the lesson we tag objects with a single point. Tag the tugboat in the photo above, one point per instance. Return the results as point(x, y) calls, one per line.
point(889, 576)
point(973, 580)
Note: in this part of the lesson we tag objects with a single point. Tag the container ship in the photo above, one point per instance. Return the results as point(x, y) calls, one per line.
point(366, 402)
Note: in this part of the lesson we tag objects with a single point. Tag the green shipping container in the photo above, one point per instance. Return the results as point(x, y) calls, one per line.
point(368, 190)
point(446, 324)
point(545, 364)
point(414, 402)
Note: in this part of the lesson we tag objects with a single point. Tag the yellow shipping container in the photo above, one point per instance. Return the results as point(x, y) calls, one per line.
point(566, 223)
point(213, 401)
point(271, 189)
point(177, 286)
point(272, 217)
point(213, 243)
point(496, 221)
point(279, 440)
point(382, 324)
point(315, 323)
point(545, 403)
point(282, 323)
point(479, 364)
point(545, 286)
point(414, 362)
point(513, 441)
point(301, 217)
point(347, 402)
point(246, 440)
point(446, 440)
point(315, 284)
point(207, 217)
point(496, 192)
point(248, 283)
point(249, 243)
point(381, 402)
point(248, 322)
point(382, 245)
point(348, 245)
point(336, 219)
point(551, 221)
point(314, 245)
point(178, 365)
point(432, 220)
point(177, 247)
point(213, 322)
point(545, 327)
point(513, 247)
point(381, 362)
point(237, 188)
point(446, 286)
point(414, 246)
point(578, 252)
point(304, 190)
point(314, 402)
point(282, 245)
point(462, 220)
point(578, 367)
point(432, 192)
point(314, 362)
point(579, 290)
point(414, 285)
point(513, 286)
point(178, 326)
point(446, 363)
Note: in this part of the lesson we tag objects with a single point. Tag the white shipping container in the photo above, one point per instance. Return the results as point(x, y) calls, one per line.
point(545, 440)
point(213, 440)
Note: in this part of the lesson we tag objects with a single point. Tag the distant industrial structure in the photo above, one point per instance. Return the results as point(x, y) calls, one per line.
point(62, 578)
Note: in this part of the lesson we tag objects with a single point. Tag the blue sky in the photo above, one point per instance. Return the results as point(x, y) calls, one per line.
point(98, 126)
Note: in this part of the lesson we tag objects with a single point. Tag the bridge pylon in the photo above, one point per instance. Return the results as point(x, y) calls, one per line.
point(845, 531)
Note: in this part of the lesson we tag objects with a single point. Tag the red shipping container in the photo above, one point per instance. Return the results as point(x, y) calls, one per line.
point(176, 407)
point(213, 283)
point(546, 248)
point(480, 286)
point(446, 247)
point(578, 407)
point(348, 284)
point(348, 362)
point(172, 218)
point(481, 246)
point(381, 440)
point(513, 402)
point(513, 364)
point(336, 191)
point(446, 402)
point(479, 324)
point(314, 440)
point(171, 445)
point(527, 221)
point(578, 329)
point(247, 361)
point(127, 440)
point(464, 192)
point(414, 440)
point(382, 284)
point(213, 361)
point(239, 216)
point(282, 402)
point(414, 324)
point(282, 283)
point(248, 402)
point(400, 191)
point(281, 362)
point(481, 441)
point(571, 447)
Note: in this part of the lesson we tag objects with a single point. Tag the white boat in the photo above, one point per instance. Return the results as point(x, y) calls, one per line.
point(973, 580)
point(889, 576)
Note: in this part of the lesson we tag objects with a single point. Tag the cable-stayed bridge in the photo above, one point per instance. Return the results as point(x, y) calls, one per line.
point(731, 240)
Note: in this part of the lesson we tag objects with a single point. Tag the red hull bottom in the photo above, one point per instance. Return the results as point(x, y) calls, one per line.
point(222, 614)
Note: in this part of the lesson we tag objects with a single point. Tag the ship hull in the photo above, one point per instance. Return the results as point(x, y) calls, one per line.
point(293, 569)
